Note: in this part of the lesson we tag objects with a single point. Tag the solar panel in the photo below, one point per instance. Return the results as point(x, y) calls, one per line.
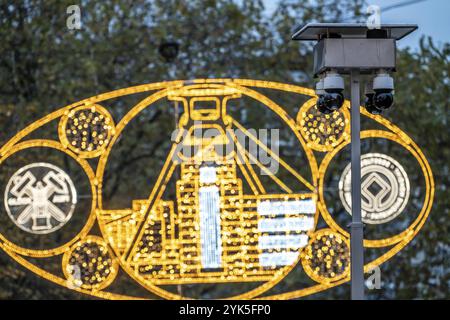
point(315, 31)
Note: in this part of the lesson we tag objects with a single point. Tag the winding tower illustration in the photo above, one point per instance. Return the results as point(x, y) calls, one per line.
point(213, 232)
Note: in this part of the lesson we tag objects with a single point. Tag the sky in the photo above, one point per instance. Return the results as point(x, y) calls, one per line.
point(432, 17)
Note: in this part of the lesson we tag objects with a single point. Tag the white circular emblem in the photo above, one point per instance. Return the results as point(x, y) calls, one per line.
point(384, 188)
point(40, 198)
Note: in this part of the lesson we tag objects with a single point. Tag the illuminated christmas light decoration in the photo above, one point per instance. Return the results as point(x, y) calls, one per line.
point(40, 198)
point(327, 257)
point(384, 188)
point(323, 132)
point(274, 259)
point(286, 207)
point(208, 175)
point(89, 265)
point(212, 231)
point(86, 130)
point(286, 224)
point(211, 244)
point(283, 242)
point(401, 239)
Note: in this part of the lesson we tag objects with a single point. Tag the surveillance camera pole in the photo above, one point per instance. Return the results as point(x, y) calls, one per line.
point(353, 49)
point(356, 227)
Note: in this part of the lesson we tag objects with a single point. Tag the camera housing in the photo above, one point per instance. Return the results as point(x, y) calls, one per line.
point(329, 90)
point(320, 92)
point(368, 101)
point(383, 87)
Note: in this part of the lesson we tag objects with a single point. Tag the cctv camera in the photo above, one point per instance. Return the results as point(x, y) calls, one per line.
point(333, 84)
point(383, 86)
point(319, 86)
point(320, 92)
point(368, 102)
point(329, 89)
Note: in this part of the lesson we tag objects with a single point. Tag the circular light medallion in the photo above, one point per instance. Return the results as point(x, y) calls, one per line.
point(384, 188)
point(327, 257)
point(40, 198)
point(89, 265)
point(87, 130)
point(323, 132)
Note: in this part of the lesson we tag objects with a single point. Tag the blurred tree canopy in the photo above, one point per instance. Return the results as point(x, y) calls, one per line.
point(44, 66)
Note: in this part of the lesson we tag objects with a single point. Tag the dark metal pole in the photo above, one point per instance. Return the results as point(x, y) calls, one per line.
point(356, 237)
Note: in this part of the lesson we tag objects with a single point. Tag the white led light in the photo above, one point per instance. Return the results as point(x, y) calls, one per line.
point(384, 188)
point(208, 175)
point(286, 207)
point(286, 224)
point(211, 244)
point(283, 241)
point(273, 259)
point(40, 198)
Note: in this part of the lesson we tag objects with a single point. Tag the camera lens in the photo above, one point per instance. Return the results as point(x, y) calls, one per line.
point(370, 106)
point(322, 105)
point(334, 100)
point(330, 101)
point(383, 99)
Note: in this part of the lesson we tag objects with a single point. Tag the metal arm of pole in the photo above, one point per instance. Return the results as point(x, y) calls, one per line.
point(356, 235)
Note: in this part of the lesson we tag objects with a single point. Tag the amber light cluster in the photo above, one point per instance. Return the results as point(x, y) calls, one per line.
point(86, 130)
point(89, 265)
point(327, 257)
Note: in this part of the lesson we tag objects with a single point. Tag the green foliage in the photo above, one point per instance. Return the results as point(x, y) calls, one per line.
point(44, 66)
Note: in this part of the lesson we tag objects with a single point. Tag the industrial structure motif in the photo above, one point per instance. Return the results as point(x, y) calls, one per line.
point(213, 232)
point(209, 218)
point(40, 205)
point(218, 234)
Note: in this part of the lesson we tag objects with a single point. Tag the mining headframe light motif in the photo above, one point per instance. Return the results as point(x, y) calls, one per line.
point(215, 215)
